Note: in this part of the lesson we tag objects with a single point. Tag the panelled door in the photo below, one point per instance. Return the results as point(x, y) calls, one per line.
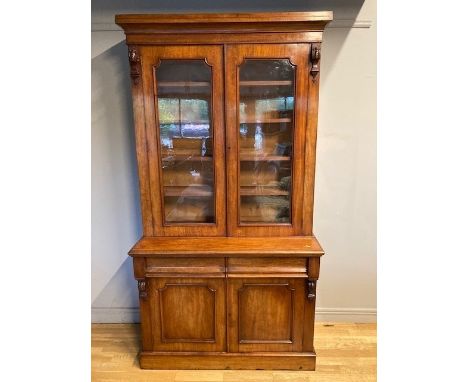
point(187, 314)
point(184, 119)
point(266, 110)
point(265, 314)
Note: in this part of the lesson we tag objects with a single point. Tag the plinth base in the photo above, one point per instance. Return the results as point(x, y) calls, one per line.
point(235, 361)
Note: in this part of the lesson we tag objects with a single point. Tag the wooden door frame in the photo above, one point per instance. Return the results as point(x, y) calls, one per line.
point(298, 55)
point(216, 286)
point(150, 57)
point(235, 286)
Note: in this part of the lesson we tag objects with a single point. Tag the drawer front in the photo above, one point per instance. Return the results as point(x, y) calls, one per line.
point(185, 267)
point(242, 267)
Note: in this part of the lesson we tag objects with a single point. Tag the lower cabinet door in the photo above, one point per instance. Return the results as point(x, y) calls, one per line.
point(265, 314)
point(188, 314)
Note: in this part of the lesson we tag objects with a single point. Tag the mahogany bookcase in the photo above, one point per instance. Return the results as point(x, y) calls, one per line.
point(225, 115)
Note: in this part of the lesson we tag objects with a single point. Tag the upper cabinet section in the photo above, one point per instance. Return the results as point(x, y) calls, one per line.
point(225, 113)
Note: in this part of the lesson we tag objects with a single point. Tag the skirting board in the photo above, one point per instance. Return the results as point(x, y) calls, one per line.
point(132, 315)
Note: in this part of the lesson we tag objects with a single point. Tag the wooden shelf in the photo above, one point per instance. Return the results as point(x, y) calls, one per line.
point(192, 190)
point(259, 219)
point(195, 122)
point(243, 158)
point(266, 120)
point(262, 191)
point(176, 84)
point(191, 158)
point(262, 158)
point(265, 83)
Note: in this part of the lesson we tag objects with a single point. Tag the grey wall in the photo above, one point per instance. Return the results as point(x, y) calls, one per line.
point(345, 199)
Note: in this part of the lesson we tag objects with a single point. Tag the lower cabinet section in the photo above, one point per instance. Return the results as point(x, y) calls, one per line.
point(206, 315)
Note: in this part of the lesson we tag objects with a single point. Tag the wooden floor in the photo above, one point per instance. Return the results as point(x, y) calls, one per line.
point(345, 352)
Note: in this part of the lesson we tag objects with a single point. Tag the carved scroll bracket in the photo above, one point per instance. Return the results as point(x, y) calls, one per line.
point(135, 65)
point(315, 60)
point(311, 289)
point(142, 289)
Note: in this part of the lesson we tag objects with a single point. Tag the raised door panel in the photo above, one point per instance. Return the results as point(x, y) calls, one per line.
point(184, 116)
point(266, 115)
point(265, 314)
point(188, 314)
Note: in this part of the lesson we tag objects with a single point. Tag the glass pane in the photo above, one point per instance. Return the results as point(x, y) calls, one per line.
point(266, 118)
point(184, 112)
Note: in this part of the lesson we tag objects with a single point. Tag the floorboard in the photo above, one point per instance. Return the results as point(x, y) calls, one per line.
point(346, 352)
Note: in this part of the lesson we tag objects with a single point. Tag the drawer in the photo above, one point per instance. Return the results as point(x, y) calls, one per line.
point(185, 267)
point(266, 267)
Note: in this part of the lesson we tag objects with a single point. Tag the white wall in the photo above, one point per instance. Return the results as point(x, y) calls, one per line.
point(345, 188)
point(345, 196)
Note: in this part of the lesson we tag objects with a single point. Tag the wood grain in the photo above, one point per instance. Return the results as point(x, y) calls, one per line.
point(142, 153)
point(223, 23)
point(209, 18)
point(227, 246)
point(310, 151)
point(266, 267)
point(185, 267)
point(265, 314)
point(314, 268)
point(223, 38)
point(241, 361)
point(188, 314)
point(346, 352)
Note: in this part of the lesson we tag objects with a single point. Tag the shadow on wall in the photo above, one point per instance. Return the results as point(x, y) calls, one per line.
point(116, 222)
point(121, 290)
point(104, 10)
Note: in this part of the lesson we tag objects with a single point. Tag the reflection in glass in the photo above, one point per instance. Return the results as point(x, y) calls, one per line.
point(266, 119)
point(184, 113)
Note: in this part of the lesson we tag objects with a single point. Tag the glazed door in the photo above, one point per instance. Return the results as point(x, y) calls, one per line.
point(184, 101)
point(266, 106)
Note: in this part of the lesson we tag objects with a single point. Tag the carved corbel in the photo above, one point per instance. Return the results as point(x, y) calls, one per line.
point(311, 289)
point(135, 65)
point(315, 60)
point(142, 289)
